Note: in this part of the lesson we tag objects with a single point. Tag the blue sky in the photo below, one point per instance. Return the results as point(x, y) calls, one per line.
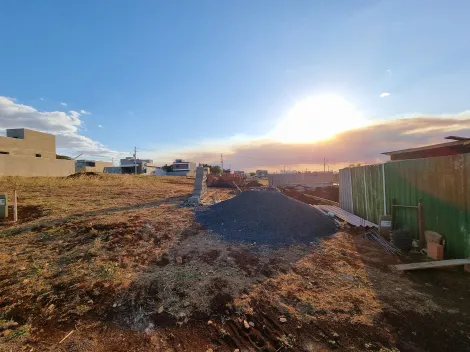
point(170, 75)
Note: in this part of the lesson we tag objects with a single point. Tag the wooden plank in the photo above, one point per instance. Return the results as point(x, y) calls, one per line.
point(431, 265)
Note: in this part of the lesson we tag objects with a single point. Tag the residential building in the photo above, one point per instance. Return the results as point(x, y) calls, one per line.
point(92, 165)
point(459, 145)
point(261, 173)
point(183, 168)
point(25, 152)
point(130, 165)
point(155, 170)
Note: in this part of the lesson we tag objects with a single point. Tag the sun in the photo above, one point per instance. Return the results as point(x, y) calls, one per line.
point(316, 118)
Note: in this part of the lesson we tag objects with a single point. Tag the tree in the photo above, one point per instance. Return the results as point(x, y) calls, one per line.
point(252, 173)
point(215, 169)
point(167, 168)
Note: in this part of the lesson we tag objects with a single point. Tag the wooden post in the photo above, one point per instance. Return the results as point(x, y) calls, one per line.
point(394, 201)
point(15, 206)
point(420, 224)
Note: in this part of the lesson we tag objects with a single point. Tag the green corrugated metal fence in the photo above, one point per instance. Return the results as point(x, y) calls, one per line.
point(443, 185)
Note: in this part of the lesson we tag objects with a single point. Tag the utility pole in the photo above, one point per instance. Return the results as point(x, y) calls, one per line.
point(135, 160)
point(222, 162)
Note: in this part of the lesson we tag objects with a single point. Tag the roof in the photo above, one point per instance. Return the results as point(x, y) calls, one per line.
point(458, 143)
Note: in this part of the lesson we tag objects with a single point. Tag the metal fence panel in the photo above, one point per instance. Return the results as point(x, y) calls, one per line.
point(345, 190)
point(442, 185)
point(368, 192)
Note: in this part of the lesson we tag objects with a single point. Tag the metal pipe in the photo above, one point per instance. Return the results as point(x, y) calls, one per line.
point(405, 206)
point(420, 224)
point(385, 196)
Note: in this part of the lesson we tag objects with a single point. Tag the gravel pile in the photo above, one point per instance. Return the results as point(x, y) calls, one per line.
point(266, 217)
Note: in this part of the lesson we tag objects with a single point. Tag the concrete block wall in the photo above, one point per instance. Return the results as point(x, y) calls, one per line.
point(200, 185)
point(16, 165)
point(318, 179)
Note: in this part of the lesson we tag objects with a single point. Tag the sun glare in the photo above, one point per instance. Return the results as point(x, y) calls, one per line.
point(317, 118)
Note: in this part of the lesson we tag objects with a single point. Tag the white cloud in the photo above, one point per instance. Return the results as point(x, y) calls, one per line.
point(362, 145)
point(84, 112)
point(384, 94)
point(63, 104)
point(41, 98)
point(100, 126)
point(66, 127)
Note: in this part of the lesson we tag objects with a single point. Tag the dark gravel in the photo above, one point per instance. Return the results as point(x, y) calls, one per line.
point(266, 217)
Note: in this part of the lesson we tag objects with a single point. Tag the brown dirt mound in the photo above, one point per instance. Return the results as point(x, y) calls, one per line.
point(84, 174)
point(254, 184)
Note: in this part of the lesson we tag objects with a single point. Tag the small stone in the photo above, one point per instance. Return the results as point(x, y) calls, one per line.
point(23, 268)
point(160, 310)
point(251, 324)
point(210, 322)
point(114, 305)
point(335, 335)
point(179, 260)
point(283, 320)
point(186, 304)
point(210, 350)
point(245, 324)
point(236, 350)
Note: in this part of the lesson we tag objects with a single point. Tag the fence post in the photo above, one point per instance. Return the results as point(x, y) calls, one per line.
point(15, 206)
point(420, 224)
point(394, 202)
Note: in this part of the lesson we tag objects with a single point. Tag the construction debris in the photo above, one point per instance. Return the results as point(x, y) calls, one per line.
point(387, 246)
point(346, 216)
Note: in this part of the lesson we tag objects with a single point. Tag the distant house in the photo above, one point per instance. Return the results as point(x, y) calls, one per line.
point(130, 165)
point(262, 173)
point(92, 165)
point(459, 145)
point(239, 172)
point(25, 152)
point(155, 170)
point(182, 168)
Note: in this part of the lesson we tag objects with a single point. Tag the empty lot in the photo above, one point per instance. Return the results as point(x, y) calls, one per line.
point(114, 263)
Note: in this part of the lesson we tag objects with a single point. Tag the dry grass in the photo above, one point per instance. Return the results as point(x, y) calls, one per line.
point(54, 197)
point(98, 250)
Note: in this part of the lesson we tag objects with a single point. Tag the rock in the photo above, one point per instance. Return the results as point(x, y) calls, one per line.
point(332, 343)
point(4, 325)
point(210, 350)
point(236, 350)
point(283, 320)
point(186, 304)
point(160, 310)
point(251, 324)
point(23, 268)
point(179, 260)
point(245, 324)
point(210, 322)
point(335, 335)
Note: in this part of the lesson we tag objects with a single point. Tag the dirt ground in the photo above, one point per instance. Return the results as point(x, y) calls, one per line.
point(117, 264)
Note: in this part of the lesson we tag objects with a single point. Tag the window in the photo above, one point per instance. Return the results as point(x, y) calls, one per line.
point(38, 155)
point(90, 163)
point(4, 152)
